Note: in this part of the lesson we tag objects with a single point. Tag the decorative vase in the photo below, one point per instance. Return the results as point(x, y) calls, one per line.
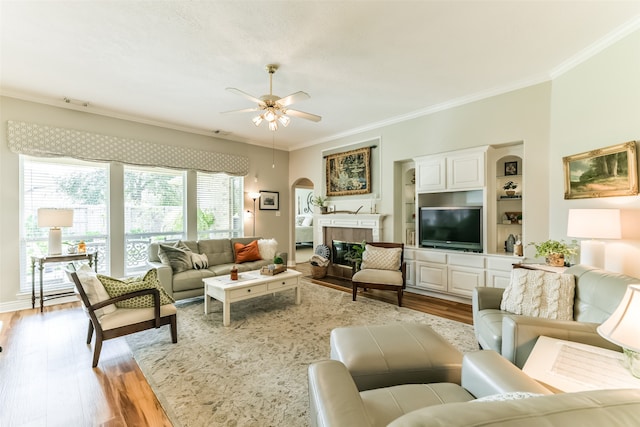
point(323, 209)
point(510, 193)
point(555, 260)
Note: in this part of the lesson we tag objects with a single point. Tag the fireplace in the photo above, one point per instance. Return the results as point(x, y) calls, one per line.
point(339, 251)
point(346, 228)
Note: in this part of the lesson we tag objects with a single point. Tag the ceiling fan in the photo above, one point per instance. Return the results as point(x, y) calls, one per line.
point(272, 108)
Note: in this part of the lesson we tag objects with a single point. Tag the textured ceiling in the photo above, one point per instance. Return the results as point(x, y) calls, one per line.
point(364, 63)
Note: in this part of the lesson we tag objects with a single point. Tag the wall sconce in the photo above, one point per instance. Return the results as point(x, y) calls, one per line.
point(55, 218)
point(593, 224)
point(254, 196)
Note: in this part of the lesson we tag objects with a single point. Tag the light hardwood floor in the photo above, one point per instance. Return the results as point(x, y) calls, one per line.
point(46, 377)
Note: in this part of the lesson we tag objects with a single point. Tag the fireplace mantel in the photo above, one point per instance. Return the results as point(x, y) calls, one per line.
point(369, 221)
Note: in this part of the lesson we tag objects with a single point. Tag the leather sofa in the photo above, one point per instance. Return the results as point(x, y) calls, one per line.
point(597, 294)
point(335, 400)
point(221, 257)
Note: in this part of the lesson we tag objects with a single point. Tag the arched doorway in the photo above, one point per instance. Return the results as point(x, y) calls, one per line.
point(302, 224)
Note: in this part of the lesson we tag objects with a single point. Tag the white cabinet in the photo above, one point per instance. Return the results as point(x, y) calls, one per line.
point(460, 170)
point(465, 170)
point(451, 273)
point(499, 270)
point(430, 174)
point(409, 260)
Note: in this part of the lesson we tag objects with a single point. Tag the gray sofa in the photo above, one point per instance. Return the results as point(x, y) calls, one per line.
point(335, 400)
point(597, 294)
point(219, 252)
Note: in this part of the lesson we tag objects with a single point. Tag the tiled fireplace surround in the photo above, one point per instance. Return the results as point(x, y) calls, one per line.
point(348, 228)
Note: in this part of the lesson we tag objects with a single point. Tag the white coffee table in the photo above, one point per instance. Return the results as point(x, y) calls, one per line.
point(250, 284)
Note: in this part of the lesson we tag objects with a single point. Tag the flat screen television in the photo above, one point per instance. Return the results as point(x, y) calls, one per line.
point(457, 228)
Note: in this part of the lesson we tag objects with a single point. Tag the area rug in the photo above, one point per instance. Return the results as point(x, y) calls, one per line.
point(254, 372)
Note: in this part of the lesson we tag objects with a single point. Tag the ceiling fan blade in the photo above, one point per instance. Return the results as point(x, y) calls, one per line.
point(246, 95)
point(244, 110)
point(304, 115)
point(294, 97)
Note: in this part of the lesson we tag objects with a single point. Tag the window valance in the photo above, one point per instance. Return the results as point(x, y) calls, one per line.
point(48, 141)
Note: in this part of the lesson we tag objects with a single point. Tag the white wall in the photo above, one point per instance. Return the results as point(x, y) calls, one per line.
point(521, 115)
point(261, 177)
point(596, 105)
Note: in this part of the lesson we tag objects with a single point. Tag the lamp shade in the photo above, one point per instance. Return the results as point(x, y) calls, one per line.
point(254, 196)
point(52, 217)
point(623, 326)
point(594, 223)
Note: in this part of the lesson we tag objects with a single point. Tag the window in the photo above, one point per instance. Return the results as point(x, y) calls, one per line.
point(154, 211)
point(220, 201)
point(62, 183)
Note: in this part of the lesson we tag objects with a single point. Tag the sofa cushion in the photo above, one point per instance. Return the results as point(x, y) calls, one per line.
point(539, 293)
point(117, 287)
point(178, 256)
point(218, 251)
point(249, 252)
point(191, 279)
point(514, 395)
point(381, 258)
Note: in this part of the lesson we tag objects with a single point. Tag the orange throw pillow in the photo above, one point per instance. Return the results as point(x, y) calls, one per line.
point(249, 252)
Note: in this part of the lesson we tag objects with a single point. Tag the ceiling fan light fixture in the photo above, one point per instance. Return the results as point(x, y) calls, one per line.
point(270, 115)
point(257, 120)
point(273, 125)
point(284, 120)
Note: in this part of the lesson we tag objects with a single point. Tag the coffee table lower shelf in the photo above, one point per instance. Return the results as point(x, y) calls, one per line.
point(249, 285)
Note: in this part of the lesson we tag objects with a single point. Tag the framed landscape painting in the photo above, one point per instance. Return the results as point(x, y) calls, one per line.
point(605, 172)
point(349, 172)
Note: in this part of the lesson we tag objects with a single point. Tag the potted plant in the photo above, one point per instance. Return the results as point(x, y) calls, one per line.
point(555, 251)
point(354, 255)
point(510, 188)
point(278, 261)
point(319, 201)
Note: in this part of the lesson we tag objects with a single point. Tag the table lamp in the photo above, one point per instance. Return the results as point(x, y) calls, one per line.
point(593, 224)
point(55, 218)
point(623, 328)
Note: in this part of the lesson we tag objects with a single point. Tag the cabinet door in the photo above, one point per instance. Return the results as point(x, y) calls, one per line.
point(410, 266)
point(430, 174)
point(498, 279)
point(465, 171)
point(462, 280)
point(431, 276)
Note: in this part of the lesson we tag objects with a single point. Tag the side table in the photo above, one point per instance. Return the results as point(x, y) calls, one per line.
point(568, 366)
point(90, 257)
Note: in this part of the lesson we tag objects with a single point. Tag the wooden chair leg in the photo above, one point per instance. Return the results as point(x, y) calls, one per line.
point(89, 332)
point(400, 297)
point(96, 350)
point(355, 291)
point(174, 329)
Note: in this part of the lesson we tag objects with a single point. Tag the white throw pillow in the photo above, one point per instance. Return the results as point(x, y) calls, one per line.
point(94, 289)
point(308, 220)
point(539, 293)
point(267, 248)
point(381, 258)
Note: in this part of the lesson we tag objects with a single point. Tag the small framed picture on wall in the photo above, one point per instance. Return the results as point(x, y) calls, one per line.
point(269, 200)
point(510, 168)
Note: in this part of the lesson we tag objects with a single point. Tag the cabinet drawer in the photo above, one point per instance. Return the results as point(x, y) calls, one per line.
point(274, 286)
point(250, 290)
point(437, 257)
point(476, 261)
point(501, 264)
